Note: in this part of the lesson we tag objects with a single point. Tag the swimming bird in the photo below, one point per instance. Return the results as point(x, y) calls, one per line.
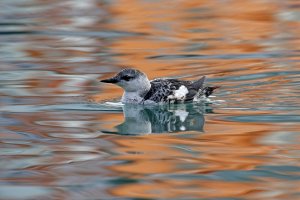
point(138, 89)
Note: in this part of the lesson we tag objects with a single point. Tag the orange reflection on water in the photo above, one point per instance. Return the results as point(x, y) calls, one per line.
point(161, 159)
point(247, 47)
point(208, 189)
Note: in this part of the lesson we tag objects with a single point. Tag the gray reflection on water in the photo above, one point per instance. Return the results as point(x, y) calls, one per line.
point(53, 51)
point(24, 192)
point(139, 119)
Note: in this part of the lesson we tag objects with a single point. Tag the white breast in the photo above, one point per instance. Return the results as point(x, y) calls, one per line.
point(131, 97)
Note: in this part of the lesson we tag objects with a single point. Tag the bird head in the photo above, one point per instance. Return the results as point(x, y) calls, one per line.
point(131, 80)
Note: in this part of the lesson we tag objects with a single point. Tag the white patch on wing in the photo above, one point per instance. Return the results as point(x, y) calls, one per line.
point(179, 94)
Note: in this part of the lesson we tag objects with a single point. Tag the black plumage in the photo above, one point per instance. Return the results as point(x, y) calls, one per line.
point(138, 89)
point(163, 90)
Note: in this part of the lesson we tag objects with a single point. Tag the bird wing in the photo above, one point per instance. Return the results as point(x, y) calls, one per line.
point(161, 89)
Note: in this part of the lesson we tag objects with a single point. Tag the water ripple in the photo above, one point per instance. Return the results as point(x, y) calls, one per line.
point(266, 118)
point(259, 55)
point(60, 140)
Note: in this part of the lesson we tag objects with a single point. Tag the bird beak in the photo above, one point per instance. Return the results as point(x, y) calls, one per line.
point(110, 80)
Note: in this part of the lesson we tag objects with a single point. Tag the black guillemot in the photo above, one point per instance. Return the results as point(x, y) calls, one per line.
point(138, 89)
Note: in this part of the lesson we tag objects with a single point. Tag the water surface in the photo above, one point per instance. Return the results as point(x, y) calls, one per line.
point(60, 139)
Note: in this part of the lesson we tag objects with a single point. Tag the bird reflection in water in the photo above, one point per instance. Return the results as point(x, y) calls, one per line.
point(141, 119)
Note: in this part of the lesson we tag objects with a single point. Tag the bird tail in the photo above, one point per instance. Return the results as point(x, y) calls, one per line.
point(198, 84)
point(207, 91)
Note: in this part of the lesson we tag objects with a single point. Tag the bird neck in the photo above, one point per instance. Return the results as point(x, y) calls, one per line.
point(144, 89)
point(136, 96)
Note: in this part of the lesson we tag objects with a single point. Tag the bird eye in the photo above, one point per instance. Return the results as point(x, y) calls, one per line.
point(126, 78)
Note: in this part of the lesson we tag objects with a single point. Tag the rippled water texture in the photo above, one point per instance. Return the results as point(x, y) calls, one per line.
point(63, 135)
